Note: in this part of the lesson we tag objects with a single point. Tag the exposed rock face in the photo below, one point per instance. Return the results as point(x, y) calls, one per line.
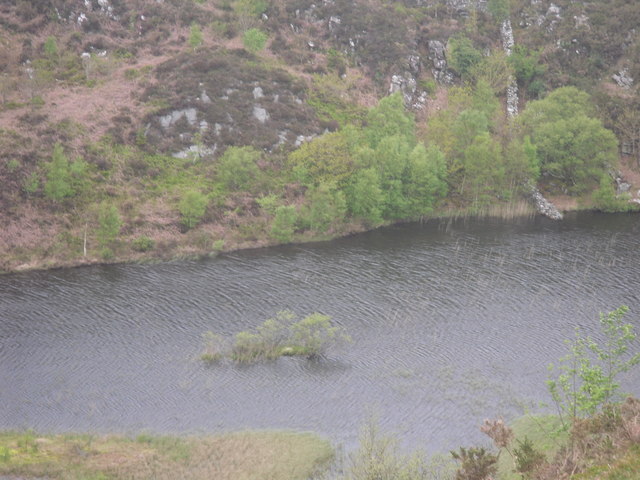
point(542, 205)
point(623, 79)
point(190, 114)
point(512, 89)
point(260, 114)
point(439, 61)
point(227, 100)
point(407, 85)
point(462, 7)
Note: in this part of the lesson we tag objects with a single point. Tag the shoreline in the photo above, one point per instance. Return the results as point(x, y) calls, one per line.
point(520, 209)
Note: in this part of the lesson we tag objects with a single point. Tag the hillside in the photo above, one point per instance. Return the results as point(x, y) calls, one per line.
point(158, 128)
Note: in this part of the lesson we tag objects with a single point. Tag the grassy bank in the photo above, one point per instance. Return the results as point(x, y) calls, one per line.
point(244, 455)
point(199, 242)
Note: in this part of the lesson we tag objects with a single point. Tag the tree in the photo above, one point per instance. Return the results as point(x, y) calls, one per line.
point(365, 197)
point(572, 146)
point(391, 157)
point(389, 118)
point(586, 379)
point(109, 224)
point(326, 205)
point(483, 170)
point(427, 174)
point(64, 178)
point(463, 57)
point(237, 168)
point(284, 222)
point(495, 70)
point(195, 35)
point(192, 207)
point(324, 159)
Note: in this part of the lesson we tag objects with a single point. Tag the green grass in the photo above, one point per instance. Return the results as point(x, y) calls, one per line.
point(626, 468)
point(239, 456)
point(542, 431)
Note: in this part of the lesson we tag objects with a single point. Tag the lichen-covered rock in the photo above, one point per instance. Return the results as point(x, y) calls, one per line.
point(623, 79)
point(228, 98)
point(438, 59)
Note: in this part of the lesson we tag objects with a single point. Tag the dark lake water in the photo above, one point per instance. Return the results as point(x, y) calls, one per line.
point(452, 321)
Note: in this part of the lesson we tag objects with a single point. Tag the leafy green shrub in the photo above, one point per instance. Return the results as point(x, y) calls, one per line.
point(50, 47)
point(314, 334)
point(278, 336)
point(195, 35)
point(142, 244)
point(254, 40)
point(109, 224)
point(64, 178)
point(463, 56)
point(527, 458)
point(606, 200)
point(587, 375)
point(573, 145)
point(475, 464)
point(192, 207)
point(237, 167)
point(284, 222)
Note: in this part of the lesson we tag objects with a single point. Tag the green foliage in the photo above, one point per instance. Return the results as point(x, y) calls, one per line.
point(326, 206)
point(314, 334)
point(427, 179)
point(495, 70)
point(586, 379)
point(324, 159)
point(572, 146)
point(247, 11)
point(63, 178)
point(499, 9)
point(329, 95)
point(142, 244)
point(526, 65)
point(387, 119)
point(109, 224)
point(606, 200)
point(484, 170)
point(336, 61)
point(463, 57)
point(51, 48)
point(237, 168)
point(31, 184)
point(365, 197)
point(527, 458)
point(195, 35)
point(284, 222)
point(281, 335)
point(475, 464)
point(254, 40)
point(521, 163)
point(192, 207)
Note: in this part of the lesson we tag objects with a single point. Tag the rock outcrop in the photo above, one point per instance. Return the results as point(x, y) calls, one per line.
point(542, 205)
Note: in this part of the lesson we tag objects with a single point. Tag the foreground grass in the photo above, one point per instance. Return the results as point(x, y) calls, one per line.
point(542, 432)
point(239, 456)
